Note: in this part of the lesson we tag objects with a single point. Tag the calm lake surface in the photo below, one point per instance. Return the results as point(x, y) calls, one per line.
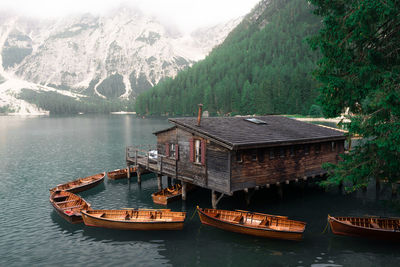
point(38, 153)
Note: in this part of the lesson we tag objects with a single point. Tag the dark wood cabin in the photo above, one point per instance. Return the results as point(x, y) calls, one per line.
point(227, 154)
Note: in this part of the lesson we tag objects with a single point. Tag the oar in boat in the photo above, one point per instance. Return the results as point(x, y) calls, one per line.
point(250, 212)
point(146, 209)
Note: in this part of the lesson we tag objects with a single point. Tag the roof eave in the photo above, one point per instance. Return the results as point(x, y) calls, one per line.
point(203, 134)
point(289, 142)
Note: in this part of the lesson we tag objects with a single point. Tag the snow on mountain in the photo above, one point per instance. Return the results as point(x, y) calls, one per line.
point(117, 55)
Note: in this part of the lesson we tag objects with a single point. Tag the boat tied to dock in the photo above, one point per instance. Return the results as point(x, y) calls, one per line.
point(369, 227)
point(68, 205)
point(253, 223)
point(80, 184)
point(135, 219)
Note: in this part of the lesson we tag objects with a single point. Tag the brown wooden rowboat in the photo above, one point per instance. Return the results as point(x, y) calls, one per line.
point(167, 195)
point(141, 219)
point(120, 173)
point(370, 227)
point(123, 174)
point(251, 223)
point(80, 184)
point(68, 205)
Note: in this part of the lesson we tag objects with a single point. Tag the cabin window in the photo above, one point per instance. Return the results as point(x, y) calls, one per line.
point(271, 153)
point(282, 152)
point(197, 151)
point(333, 146)
point(292, 151)
point(306, 149)
point(253, 155)
point(238, 156)
point(172, 150)
point(260, 155)
point(317, 148)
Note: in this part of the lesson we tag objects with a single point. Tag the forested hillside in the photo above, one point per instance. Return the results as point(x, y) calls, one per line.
point(263, 67)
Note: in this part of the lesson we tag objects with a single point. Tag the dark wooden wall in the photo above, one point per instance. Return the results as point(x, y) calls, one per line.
point(218, 167)
point(214, 174)
point(294, 163)
point(223, 173)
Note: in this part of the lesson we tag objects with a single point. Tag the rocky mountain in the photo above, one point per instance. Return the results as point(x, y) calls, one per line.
point(120, 54)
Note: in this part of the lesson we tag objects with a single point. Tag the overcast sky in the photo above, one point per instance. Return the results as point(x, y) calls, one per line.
point(186, 14)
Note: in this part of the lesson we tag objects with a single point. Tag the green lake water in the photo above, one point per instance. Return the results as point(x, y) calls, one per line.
point(38, 153)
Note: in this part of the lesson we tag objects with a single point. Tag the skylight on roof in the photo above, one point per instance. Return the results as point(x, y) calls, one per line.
point(256, 121)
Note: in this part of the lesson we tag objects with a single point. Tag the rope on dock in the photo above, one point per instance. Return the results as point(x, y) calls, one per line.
point(194, 213)
point(326, 227)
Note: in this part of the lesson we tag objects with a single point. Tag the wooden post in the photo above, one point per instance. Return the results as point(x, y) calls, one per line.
point(213, 199)
point(159, 180)
point(280, 191)
point(394, 189)
point(136, 157)
point(169, 179)
point(139, 176)
point(128, 174)
point(184, 190)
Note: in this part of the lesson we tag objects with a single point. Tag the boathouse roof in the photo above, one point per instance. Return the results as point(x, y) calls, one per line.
point(249, 132)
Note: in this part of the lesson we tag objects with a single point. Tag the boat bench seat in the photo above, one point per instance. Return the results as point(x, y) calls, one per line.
point(374, 225)
point(216, 215)
point(238, 219)
point(67, 201)
point(72, 207)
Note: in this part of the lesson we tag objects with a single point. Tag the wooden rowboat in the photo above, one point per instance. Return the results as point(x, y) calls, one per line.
point(141, 219)
point(252, 223)
point(68, 205)
point(80, 184)
point(167, 195)
point(123, 174)
point(120, 173)
point(371, 227)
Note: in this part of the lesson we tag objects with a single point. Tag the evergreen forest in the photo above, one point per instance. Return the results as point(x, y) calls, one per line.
point(264, 66)
point(56, 103)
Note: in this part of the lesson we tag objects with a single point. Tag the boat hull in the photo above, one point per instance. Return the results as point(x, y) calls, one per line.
point(131, 225)
point(76, 188)
point(73, 218)
point(261, 232)
point(123, 174)
point(120, 174)
point(340, 228)
point(86, 187)
point(163, 200)
point(68, 206)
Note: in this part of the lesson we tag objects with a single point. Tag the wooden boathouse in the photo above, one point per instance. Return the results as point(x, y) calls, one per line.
point(228, 154)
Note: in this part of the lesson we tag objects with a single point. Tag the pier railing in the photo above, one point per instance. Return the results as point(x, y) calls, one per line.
point(144, 157)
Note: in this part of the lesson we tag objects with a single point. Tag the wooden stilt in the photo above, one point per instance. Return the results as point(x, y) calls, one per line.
point(139, 177)
point(184, 187)
point(159, 181)
point(394, 189)
point(128, 173)
point(247, 196)
point(378, 188)
point(280, 191)
point(214, 199)
point(169, 181)
point(340, 186)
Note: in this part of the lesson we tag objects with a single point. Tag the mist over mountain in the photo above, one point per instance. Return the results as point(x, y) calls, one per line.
point(117, 55)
